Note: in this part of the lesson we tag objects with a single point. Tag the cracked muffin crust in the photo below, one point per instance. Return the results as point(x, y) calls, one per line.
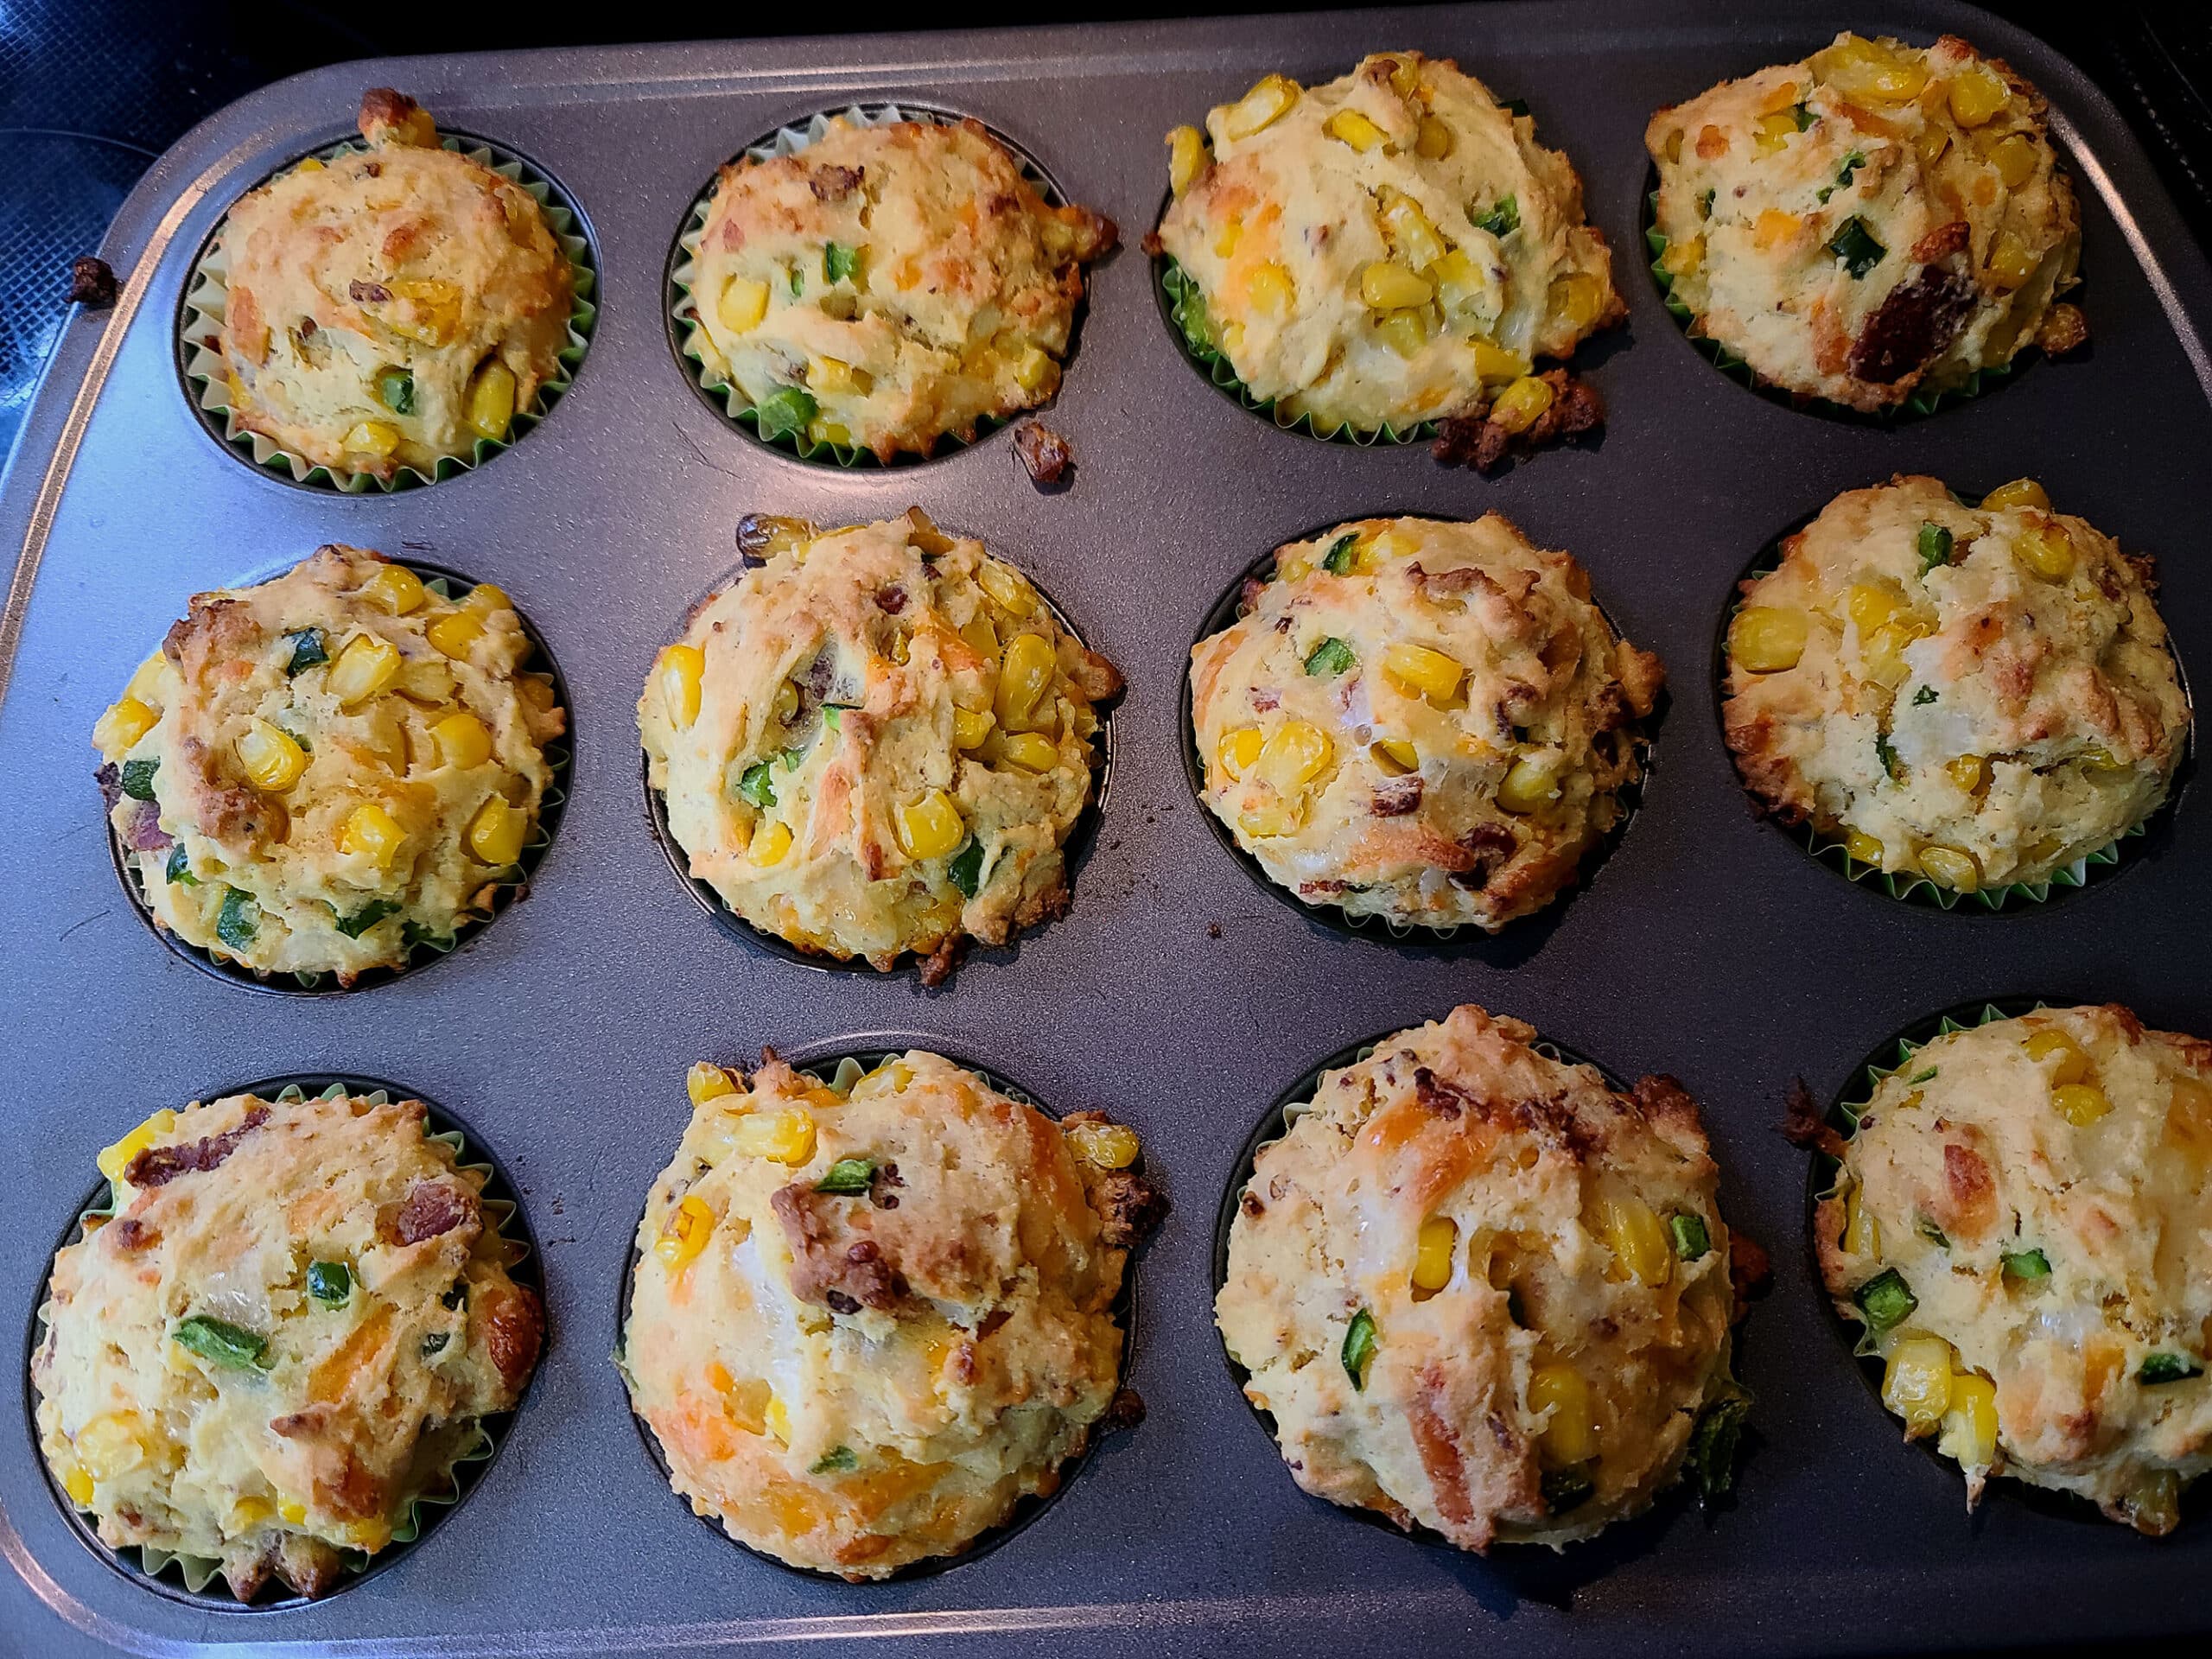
point(2021, 1227)
point(870, 1316)
point(318, 772)
point(291, 1328)
point(876, 740)
point(1874, 223)
point(1977, 695)
point(1480, 1292)
point(889, 286)
point(1390, 248)
point(1425, 720)
point(390, 308)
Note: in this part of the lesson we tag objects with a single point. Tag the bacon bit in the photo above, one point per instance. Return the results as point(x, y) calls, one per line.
point(1912, 326)
point(129, 1233)
point(1123, 1412)
point(832, 1264)
point(143, 831)
point(1443, 1099)
point(1804, 1125)
point(363, 293)
point(431, 1209)
point(92, 283)
point(1940, 243)
point(891, 599)
point(1488, 846)
point(1396, 797)
point(1575, 408)
point(1129, 1208)
point(1045, 454)
point(835, 183)
point(514, 1329)
point(158, 1165)
point(2063, 330)
point(937, 966)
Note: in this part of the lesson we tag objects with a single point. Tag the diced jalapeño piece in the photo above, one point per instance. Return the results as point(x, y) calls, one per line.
point(1885, 1299)
point(329, 1282)
point(848, 1176)
point(1359, 1347)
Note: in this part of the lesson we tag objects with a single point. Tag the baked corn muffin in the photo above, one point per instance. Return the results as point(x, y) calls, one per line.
point(1391, 248)
point(1874, 224)
point(2022, 1226)
point(870, 1317)
point(1977, 694)
point(1426, 721)
point(291, 1328)
point(314, 774)
point(1481, 1293)
point(389, 308)
point(876, 740)
point(889, 286)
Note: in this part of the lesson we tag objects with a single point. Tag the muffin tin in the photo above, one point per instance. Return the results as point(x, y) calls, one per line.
point(1173, 993)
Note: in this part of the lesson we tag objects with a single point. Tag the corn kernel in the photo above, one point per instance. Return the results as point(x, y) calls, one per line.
point(2014, 158)
point(744, 302)
point(1006, 587)
point(78, 1485)
point(1272, 818)
point(2047, 549)
point(1269, 291)
point(1031, 751)
point(1576, 299)
point(1225, 245)
point(1882, 653)
point(491, 400)
point(1412, 236)
point(454, 632)
point(150, 682)
point(371, 832)
point(1571, 1435)
point(678, 672)
point(1870, 605)
point(1522, 404)
point(2080, 1103)
point(1977, 92)
point(1350, 127)
point(462, 741)
point(769, 847)
point(292, 1513)
point(125, 723)
point(1772, 133)
point(1421, 672)
point(1634, 1233)
point(1532, 782)
point(369, 1536)
point(1970, 772)
point(1435, 141)
point(1970, 1421)
point(1395, 755)
point(1186, 158)
point(706, 1081)
point(1916, 1383)
point(1862, 1234)
point(108, 1445)
point(930, 826)
point(778, 1418)
point(495, 834)
point(1673, 144)
point(1494, 363)
point(1933, 140)
point(1295, 753)
point(2020, 492)
point(1434, 1251)
point(1950, 867)
point(273, 759)
point(367, 666)
point(116, 1158)
point(425, 681)
point(971, 726)
point(1260, 108)
point(374, 438)
point(1237, 750)
point(1387, 286)
point(686, 1233)
point(1025, 699)
point(1683, 257)
point(1860, 68)
point(395, 587)
point(784, 1137)
point(1404, 332)
point(1105, 1146)
point(2012, 262)
point(1863, 847)
point(247, 1514)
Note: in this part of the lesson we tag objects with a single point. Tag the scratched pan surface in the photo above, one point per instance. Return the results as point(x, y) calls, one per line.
point(1174, 993)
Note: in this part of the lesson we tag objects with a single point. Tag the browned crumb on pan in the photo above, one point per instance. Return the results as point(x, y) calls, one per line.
point(1045, 454)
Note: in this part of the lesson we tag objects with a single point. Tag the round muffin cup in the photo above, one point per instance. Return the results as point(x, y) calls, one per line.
point(1183, 305)
point(1274, 1124)
point(724, 396)
point(1223, 615)
point(1911, 886)
point(1729, 363)
point(839, 1065)
point(1073, 851)
point(187, 1579)
point(446, 584)
point(200, 315)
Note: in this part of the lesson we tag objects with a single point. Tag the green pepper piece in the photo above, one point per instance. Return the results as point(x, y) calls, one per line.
point(1330, 659)
point(1885, 1299)
point(848, 1176)
point(1933, 1233)
point(329, 1282)
point(2167, 1368)
point(1502, 218)
point(2026, 1266)
point(366, 917)
point(219, 1340)
point(1337, 561)
point(1855, 245)
point(1713, 1442)
point(1196, 324)
point(798, 282)
point(395, 390)
point(1887, 755)
point(1359, 1348)
point(1923, 697)
point(1919, 1077)
point(757, 785)
point(1692, 1241)
point(1565, 1490)
point(179, 868)
point(785, 411)
point(139, 779)
point(1935, 546)
point(309, 650)
point(966, 869)
point(837, 261)
point(838, 1460)
point(239, 921)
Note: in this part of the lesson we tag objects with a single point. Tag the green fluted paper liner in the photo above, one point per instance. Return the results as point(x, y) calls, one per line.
point(475, 1444)
point(703, 363)
point(206, 296)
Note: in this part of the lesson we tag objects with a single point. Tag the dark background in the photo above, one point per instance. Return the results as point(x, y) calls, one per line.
point(91, 91)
